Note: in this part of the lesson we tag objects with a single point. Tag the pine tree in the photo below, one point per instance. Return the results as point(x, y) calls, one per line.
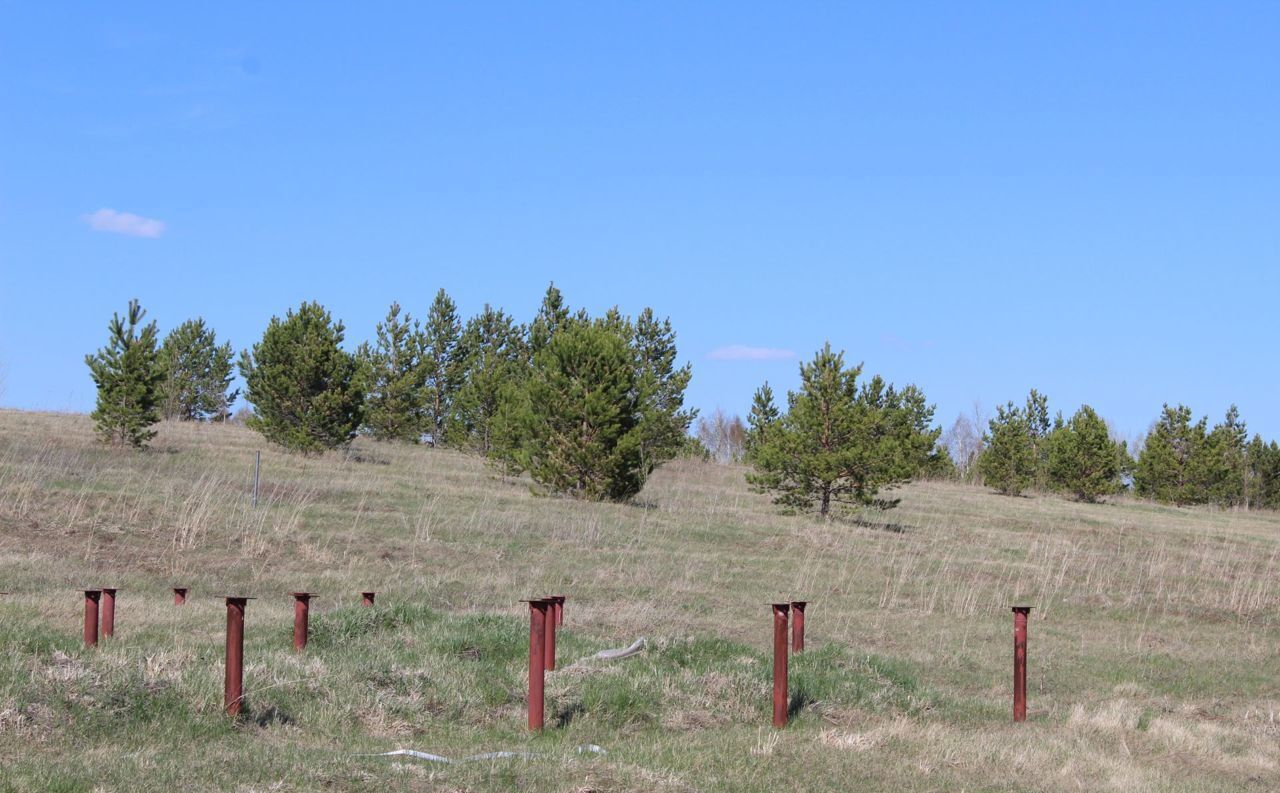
point(307, 392)
point(1225, 466)
point(1083, 460)
point(493, 357)
point(1038, 430)
point(197, 374)
point(395, 371)
point(582, 418)
point(444, 369)
point(552, 315)
point(838, 444)
point(1170, 467)
point(1008, 461)
point(1263, 474)
point(664, 423)
point(760, 421)
point(128, 376)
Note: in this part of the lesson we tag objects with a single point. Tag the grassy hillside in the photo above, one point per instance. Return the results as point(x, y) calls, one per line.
point(1154, 653)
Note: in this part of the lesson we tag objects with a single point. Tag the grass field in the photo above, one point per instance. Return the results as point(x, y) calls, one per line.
point(1154, 651)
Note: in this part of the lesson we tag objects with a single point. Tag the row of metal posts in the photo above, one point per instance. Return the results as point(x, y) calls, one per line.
point(545, 617)
point(546, 614)
point(100, 605)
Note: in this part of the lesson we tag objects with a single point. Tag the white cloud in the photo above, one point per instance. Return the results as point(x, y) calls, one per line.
point(125, 223)
point(741, 352)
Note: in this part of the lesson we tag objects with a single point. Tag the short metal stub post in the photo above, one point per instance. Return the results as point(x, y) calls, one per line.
point(301, 609)
point(797, 625)
point(558, 602)
point(108, 613)
point(1020, 662)
point(366, 599)
point(91, 599)
point(549, 640)
point(781, 701)
point(537, 654)
point(233, 686)
point(179, 595)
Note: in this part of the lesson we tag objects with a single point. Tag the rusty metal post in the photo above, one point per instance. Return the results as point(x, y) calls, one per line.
point(780, 698)
point(91, 598)
point(559, 600)
point(108, 613)
point(301, 609)
point(367, 598)
point(549, 640)
point(179, 595)
point(1020, 662)
point(537, 650)
point(797, 625)
point(233, 687)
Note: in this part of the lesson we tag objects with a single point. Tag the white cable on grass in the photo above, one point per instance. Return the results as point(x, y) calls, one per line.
point(622, 652)
point(607, 655)
point(586, 748)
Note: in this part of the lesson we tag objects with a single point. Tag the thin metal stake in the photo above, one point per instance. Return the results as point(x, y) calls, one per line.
point(257, 467)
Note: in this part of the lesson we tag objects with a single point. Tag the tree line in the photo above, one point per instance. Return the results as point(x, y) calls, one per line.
point(590, 406)
point(1180, 461)
point(587, 406)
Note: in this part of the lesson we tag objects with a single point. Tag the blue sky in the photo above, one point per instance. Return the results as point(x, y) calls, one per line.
point(978, 198)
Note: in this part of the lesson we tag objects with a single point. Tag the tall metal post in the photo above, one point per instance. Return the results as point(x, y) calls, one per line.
point(780, 699)
point(537, 651)
point(1020, 662)
point(233, 686)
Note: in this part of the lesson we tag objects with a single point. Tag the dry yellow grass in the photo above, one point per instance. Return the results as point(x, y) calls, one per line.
point(1153, 641)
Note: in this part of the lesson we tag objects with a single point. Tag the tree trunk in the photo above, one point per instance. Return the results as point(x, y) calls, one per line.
point(826, 501)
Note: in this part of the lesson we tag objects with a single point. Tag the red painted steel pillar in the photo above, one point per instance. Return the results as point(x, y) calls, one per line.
point(559, 600)
point(780, 698)
point(1020, 662)
point(301, 609)
point(91, 598)
point(179, 595)
point(797, 625)
point(366, 598)
point(549, 637)
point(233, 687)
point(537, 654)
point(108, 613)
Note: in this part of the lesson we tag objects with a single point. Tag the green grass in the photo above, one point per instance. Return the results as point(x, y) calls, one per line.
point(1155, 644)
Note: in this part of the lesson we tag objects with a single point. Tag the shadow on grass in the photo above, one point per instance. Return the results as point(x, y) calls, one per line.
point(879, 525)
point(799, 701)
point(269, 717)
point(567, 714)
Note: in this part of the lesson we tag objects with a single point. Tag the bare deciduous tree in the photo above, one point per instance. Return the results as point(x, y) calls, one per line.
point(964, 441)
point(723, 436)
